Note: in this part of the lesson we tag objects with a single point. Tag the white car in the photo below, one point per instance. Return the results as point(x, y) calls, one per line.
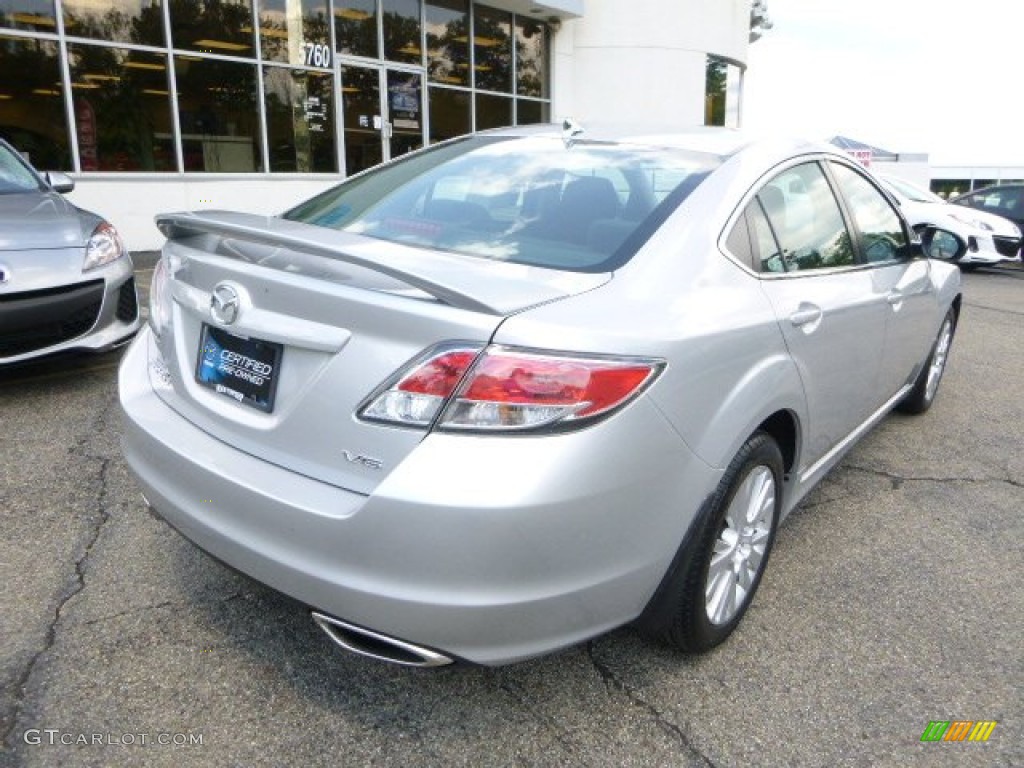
point(990, 239)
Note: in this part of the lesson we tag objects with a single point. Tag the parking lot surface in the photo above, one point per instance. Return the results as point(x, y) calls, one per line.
point(893, 598)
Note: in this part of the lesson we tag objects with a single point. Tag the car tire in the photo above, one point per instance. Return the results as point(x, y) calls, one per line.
point(718, 568)
point(921, 397)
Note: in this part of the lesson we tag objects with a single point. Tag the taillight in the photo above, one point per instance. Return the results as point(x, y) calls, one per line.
point(415, 397)
point(159, 298)
point(510, 389)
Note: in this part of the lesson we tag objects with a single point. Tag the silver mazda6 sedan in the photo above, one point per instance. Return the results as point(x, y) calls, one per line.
point(507, 393)
point(65, 276)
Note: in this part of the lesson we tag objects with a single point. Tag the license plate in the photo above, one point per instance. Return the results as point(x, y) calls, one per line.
point(244, 369)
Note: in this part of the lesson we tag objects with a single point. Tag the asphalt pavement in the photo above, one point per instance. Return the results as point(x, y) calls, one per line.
point(893, 598)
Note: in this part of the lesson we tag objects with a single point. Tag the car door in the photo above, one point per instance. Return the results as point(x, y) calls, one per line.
point(831, 312)
point(904, 279)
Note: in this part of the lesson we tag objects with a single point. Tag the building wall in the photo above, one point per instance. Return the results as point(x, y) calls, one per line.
point(621, 63)
point(131, 204)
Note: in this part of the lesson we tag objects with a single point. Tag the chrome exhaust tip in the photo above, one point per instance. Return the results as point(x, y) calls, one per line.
point(378, 646)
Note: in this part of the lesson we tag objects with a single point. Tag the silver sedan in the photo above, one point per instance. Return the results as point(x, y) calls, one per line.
point(66, 280)
point(507, 393)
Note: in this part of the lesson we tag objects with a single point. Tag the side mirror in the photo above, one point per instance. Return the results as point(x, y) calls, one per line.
point(942, 244)
point(60, 182)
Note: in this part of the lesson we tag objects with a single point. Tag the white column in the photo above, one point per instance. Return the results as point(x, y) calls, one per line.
point(644, 60)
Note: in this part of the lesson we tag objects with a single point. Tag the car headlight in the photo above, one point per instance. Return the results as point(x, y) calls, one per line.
point(971, 221)
point(104, 246)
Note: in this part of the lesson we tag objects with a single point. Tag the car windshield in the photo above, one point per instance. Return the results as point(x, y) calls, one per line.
point(15, 175)
point(912, 192)
point(577, 206)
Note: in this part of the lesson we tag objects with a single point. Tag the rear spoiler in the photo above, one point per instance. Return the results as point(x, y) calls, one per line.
point(178, 225)
point(465, 282)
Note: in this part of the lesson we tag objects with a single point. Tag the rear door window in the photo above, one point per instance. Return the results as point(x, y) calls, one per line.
point(806, 220)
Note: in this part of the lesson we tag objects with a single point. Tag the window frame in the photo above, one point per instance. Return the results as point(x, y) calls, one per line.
point(738, 216)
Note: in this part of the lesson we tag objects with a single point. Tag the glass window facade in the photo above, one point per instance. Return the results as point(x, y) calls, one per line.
point(219, 115)
point(300, 120)
point(122, 109)
point(355, 27)
point(722, 93)
point(35, 15)
point(448, 41)
point(122, 21)
point(33, 115)
point(296, 32)
point(531, 58)
point(492, 49)
point(402, 31)
point(267, 86)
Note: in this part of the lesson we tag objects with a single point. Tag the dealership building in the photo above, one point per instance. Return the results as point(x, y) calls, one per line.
point(162, 105)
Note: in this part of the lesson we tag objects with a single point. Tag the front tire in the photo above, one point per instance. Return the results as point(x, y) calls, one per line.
point(713, 578)
point(926, 386)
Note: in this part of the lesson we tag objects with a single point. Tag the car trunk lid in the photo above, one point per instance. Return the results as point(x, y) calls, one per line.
point(343, 312)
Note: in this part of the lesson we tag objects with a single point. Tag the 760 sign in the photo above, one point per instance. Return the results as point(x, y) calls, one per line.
point(317, 55)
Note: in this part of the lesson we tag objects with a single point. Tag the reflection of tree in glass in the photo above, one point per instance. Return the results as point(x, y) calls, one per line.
point(127, 107)
point(493, 50)
point(145, 26)
point(401, 37)
point(226, 22)
point(838, 252)
point(531, 46)
point(300, 124)
point(223, 91)
point(714, 91)
point(34, 120)
point(274, 41)
point(448, 52)
point(356, 36)
point(217, 99)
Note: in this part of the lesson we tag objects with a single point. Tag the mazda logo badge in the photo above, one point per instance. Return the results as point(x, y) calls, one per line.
point(225, 303)
point(5, 274)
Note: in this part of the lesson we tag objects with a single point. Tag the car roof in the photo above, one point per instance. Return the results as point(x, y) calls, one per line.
point(715, 140)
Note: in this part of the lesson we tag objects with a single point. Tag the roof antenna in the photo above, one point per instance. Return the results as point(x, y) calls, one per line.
point(570, 130)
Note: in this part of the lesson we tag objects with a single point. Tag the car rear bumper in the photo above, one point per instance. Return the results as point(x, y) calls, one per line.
point(486, 549)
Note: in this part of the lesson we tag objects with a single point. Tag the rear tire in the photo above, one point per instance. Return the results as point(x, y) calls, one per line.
point(926, 386)
point(717, 570)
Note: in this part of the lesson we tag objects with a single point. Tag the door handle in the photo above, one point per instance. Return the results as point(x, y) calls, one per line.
point(807, 314)
point(894, 297)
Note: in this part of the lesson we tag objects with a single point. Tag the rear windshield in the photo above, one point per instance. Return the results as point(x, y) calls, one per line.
point(579, 206)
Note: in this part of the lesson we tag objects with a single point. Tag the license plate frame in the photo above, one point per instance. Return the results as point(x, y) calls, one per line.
point(242, 368)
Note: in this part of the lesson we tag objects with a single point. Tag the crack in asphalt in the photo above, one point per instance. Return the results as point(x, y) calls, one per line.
point(612, 682)
point(998, 310)
point(898, 480)
point(560, 735)
point(215, 600)
point(75, 584)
